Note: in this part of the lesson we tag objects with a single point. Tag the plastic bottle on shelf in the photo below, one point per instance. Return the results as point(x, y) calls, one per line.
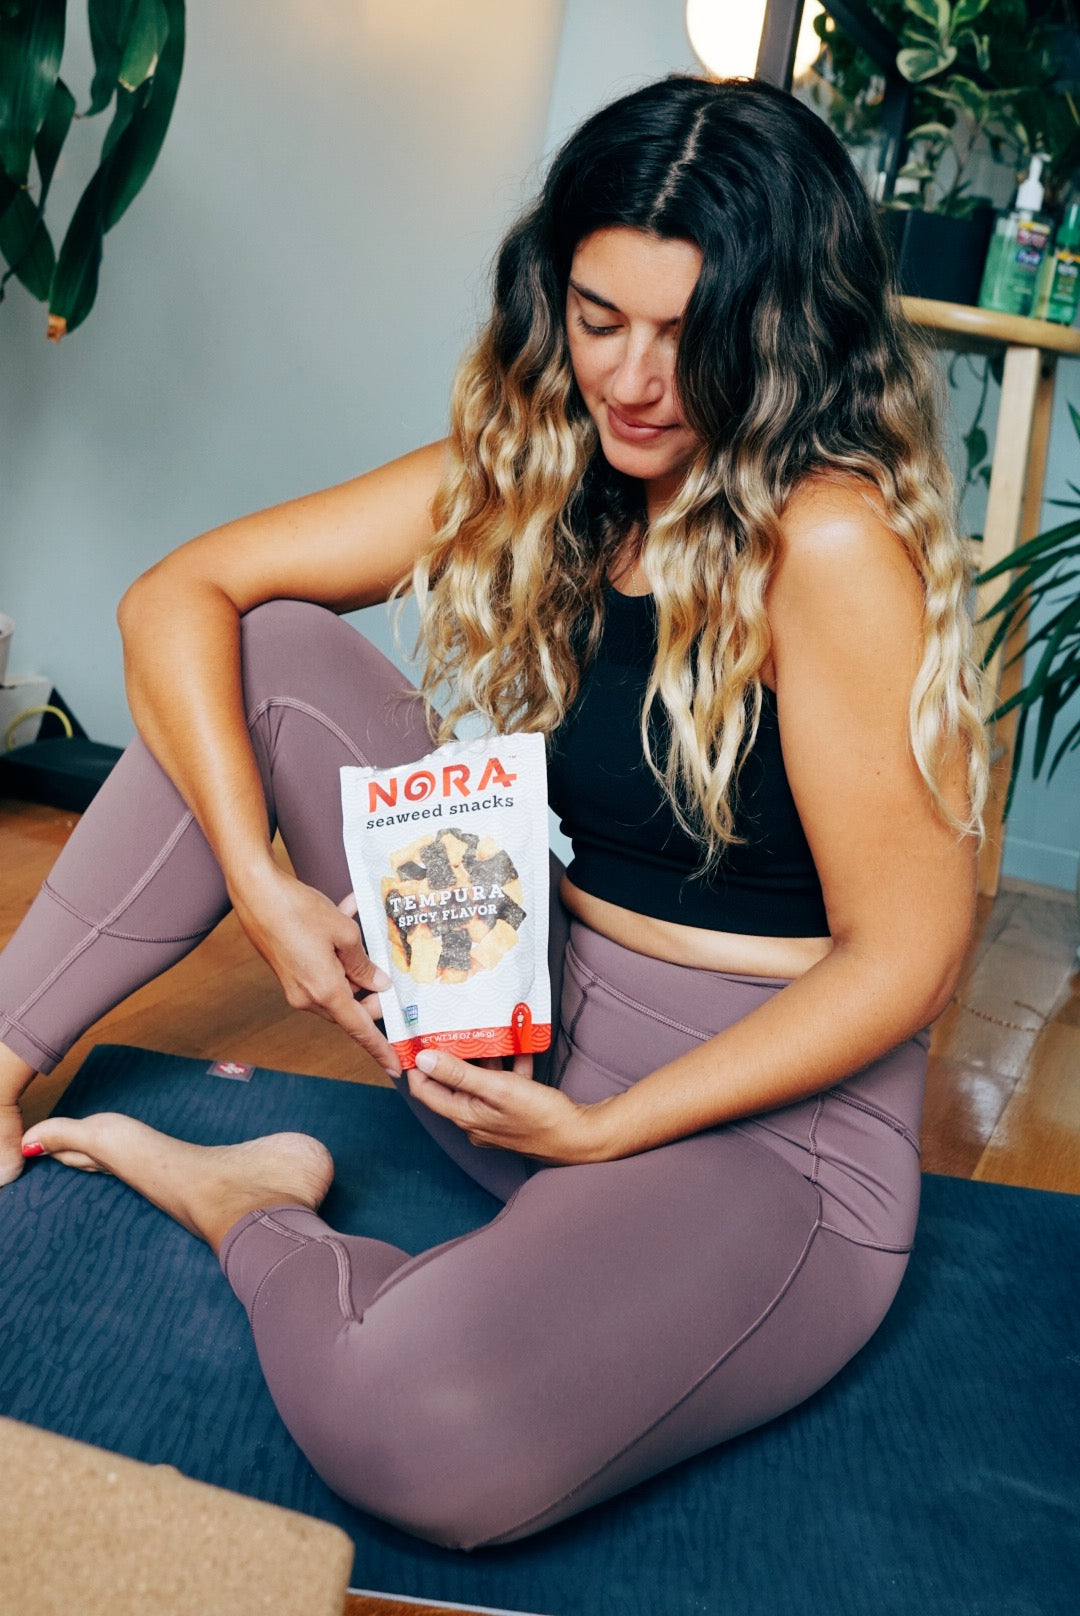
point(1018, 246)
point(1057, 295)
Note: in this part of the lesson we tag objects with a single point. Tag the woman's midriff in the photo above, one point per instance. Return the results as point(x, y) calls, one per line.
point(694, 945)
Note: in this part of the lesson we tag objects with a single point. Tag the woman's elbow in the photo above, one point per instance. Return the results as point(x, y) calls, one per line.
point(137, 599)
point(913, 980)
point(939, 999)
point(127, 610)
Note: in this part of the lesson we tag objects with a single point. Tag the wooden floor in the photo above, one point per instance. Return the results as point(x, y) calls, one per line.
point(1003, 1099)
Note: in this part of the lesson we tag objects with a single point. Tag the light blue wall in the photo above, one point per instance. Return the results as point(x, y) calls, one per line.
point(609, 47)
point(282, 307)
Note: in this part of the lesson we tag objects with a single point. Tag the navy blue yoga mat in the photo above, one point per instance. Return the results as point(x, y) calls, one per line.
point(939, 1473)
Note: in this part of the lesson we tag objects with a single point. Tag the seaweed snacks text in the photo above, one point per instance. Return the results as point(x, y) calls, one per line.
point(423, 783)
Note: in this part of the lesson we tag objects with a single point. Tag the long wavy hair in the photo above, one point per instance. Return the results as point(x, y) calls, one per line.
point(794, 358)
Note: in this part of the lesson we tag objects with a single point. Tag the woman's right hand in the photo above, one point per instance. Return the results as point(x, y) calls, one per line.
point(317, 953)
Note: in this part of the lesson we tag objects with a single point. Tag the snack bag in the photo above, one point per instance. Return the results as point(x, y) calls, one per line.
point(449, 863)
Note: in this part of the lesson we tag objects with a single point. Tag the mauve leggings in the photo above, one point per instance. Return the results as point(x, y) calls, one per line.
point(613, 1318)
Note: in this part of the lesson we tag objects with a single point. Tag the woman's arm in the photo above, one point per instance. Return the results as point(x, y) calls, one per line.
point(899, 885)
point(344, 548)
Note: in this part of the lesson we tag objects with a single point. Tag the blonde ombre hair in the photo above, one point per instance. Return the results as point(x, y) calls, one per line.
point(794, 359)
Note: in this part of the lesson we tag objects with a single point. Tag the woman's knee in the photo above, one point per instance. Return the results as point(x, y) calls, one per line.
point(296, 651)
point(278, 627)
point(434, 1462)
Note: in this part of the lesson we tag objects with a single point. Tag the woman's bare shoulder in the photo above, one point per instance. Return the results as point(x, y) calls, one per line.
point(843, 577)
point(835, 531)
point(834, 508)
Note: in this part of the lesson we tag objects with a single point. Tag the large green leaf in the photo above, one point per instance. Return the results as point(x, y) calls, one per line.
point(51, 136)
point(1041, 685)
point(147, 33)
point(27, 246)
point(109, 22)
point(8, 192)
point(1031, 550)
point(137, 150)
point(1028, 578)
point(128, 103)
point(1054, 701)
point(1048, 630)
point(935, 12)
point(24, 239)
point(1018, 750)
point(1011, 619)
point(1033, 688)
point(74, 284)
point(960, 91)
point(130, 151)
point(1069, 744)
point(929, 131)
point(967, 10)
point(1049, 708)
point(981, 42)
point(1015, 621)
point(31, 45)
point(1013, 610)
point(924, 61)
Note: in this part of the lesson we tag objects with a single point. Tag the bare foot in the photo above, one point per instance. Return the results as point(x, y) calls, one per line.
point(206, 1188)
point(11, 1132)
point(15, 1076)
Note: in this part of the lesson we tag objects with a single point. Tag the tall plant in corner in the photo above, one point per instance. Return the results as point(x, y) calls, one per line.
point(1046, 577)
point(138, 48)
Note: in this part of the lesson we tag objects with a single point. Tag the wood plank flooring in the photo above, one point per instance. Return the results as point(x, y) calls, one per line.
point(1003, 1097)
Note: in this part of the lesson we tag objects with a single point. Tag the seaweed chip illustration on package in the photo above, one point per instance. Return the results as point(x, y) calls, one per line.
point(449, 863)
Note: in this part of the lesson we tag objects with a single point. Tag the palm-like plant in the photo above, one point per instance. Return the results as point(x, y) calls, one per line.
point(1046, 570)
point(138, 50)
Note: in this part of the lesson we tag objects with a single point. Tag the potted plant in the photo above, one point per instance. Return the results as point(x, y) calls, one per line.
point(986, 74)
point(1045, 572)
point(138, 55)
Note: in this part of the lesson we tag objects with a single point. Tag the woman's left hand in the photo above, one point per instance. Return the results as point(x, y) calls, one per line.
point(504, 1109)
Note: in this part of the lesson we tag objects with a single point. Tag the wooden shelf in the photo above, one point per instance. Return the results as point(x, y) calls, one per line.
point(987, 329)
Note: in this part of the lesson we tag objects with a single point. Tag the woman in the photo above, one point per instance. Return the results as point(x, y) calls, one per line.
point(693, 523)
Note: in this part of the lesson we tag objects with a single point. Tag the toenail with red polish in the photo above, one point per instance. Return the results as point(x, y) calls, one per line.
point(33, 1150)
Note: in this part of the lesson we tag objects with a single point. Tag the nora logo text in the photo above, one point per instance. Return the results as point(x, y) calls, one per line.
point(424, 783)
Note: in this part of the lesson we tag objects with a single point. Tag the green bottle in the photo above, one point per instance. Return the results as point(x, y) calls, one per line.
point(1017, 249)
point(1058, 294)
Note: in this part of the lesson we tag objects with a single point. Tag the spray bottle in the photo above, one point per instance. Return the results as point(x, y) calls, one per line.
point(1058, 295)
point(1017, 248)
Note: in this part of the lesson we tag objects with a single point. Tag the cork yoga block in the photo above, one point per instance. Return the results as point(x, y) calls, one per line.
point(88, 1531)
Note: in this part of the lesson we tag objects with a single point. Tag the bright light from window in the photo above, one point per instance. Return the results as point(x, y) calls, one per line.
point(726, 35)
point(808, 45)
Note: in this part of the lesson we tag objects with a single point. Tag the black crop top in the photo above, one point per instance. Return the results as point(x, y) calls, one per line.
point(628, 846)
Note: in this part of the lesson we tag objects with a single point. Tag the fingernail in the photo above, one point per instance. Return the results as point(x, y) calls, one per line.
point(427, 1060)
point(33, 1150)
point(380, 981)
